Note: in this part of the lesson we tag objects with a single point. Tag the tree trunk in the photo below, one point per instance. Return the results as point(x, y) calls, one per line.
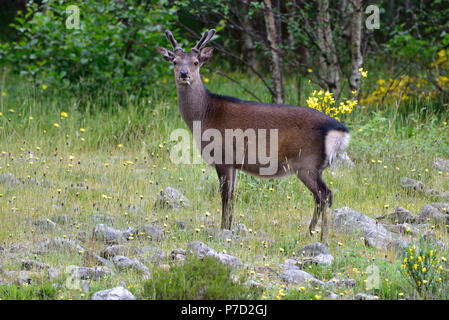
point(329, 73)
point(276, 59)
point(249, 54)
point(356, 51)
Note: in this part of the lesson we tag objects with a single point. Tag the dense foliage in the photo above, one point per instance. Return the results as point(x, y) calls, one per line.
point(113, 45)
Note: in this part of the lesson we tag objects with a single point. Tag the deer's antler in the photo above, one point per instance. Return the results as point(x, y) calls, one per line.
point(172, 40)
point(204, 39)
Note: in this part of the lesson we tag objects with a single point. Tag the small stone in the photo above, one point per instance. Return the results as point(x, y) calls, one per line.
point(241, 230)
point(178, 255)
point(364, 296)
point(227, 259)
point(85, 273)
point(441, 164)
point(431, 214)
point(300, 277)
point(172, 199)
point(150, 231)
point(313, 249)
point(30, 264)
point(107, 234)
point(124, 263)
point(117, 293)
point(200, 249)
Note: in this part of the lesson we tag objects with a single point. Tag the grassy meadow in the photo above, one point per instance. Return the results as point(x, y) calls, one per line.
point(108, 154)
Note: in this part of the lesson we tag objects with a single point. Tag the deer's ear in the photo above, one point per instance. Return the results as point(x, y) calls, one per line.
point(166, 54)
point(205, 54)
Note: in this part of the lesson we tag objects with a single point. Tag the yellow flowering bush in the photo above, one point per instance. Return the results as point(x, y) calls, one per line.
point(426, 270)
point(400, 90)
point(325, 102)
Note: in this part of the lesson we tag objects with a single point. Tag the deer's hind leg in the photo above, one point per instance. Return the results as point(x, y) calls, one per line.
point(323, 197)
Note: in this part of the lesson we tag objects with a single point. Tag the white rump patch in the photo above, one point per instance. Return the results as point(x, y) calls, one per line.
point(335, 142)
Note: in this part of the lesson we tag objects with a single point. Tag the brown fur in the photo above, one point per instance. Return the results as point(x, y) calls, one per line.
point(301, 133)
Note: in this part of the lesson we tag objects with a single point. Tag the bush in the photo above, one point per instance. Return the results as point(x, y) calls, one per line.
point(114, 45)
point(197, 279)
point(427, 271)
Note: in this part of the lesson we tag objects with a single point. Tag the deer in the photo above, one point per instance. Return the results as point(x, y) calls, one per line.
point(308, 141)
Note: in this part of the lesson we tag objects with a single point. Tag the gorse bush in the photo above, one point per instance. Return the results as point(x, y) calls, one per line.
point(198, 279)
point(427, 271)
point(114, 45)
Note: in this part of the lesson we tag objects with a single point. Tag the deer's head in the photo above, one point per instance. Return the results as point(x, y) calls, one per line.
point(187, 64)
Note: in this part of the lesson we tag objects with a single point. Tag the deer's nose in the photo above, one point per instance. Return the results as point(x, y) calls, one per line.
point(183, 74)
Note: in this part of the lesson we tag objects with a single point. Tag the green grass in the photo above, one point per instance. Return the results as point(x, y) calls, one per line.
point(386, 145)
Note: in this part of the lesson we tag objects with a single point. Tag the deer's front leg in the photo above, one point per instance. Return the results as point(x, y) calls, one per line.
point(227, 177)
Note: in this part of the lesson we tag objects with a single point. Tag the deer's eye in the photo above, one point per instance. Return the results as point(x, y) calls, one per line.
point(196, 63)
point(174, 63)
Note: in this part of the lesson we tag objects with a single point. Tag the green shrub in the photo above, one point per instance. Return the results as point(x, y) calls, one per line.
point(427, 270)
point(197, 279)
point(114, 45)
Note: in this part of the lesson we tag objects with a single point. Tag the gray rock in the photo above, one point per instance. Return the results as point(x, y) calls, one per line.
point(333, 296)
point(117, 293)
point(420, 187)
point(30, 264)
point(300, 277)
point(364, 296)
point(254, 284)
point(203, 250)
point(124, 263)
point(150, 231)
point(241, 230)
point(200, 249)
point(21, 277)
point(441, 164)
point(412, 184)
point(399, 216)
point(108, 234)
point(172, 199)
point(227, 259)
point(341, 282)
point(93, 273)
point(350, 222)
point(313, 249)
point(442, 206)
point(403, 228)
point(116, 250)
point(301, 262)
point(178, 255)
point(431, 214)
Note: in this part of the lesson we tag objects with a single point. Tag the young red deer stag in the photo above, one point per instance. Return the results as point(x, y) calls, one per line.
point(307, 139)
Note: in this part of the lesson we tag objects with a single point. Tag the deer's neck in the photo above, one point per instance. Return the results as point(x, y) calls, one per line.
point(193, 101)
